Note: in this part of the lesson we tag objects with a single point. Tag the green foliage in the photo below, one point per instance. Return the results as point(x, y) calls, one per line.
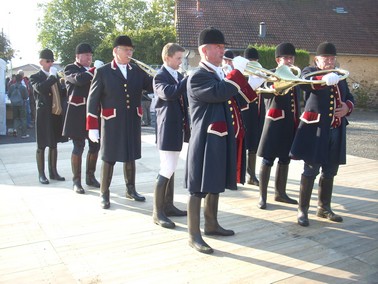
point(161, 14)
point(97, 22)
point(149, 43)
point(6, 51)
point(362, 93)
point(268, 61)
point(66, 23)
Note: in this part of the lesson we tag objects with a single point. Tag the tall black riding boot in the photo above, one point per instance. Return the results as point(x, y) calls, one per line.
point(169, 208)
point(159, 216)
point(324, 200)
point(40, 157)
point(263, 186)
point(251, 169)
point(305, 191)
point(195, 238)
point(76, 171)
point(53, 157)
point(280, 185)
point(129, 175)
point(90, 178)
point(212, 226)
point(106, 179)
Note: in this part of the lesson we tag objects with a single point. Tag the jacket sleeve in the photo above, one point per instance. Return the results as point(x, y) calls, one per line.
point(93, 104)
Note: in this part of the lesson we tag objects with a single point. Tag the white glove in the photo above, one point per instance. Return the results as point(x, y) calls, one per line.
point(240, 63)
point(94, 135)
point(53, 71)
point(331, 79)
point(255, 81)
point(98, 63)
point(227, 68)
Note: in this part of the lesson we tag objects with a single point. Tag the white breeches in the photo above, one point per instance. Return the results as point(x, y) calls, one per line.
point(168, 163)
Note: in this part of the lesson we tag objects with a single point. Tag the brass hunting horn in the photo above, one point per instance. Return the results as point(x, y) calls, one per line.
point(146, 68)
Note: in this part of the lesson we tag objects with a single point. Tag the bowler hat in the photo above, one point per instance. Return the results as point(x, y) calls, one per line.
point(326, 48)
point(123, 40)
point(211, 35)
point(46, 54)
point(228, 54)
point(83, 48)
point(284, 49)
point(251, 53)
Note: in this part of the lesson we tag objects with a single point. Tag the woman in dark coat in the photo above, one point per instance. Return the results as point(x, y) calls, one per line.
point(49, 125)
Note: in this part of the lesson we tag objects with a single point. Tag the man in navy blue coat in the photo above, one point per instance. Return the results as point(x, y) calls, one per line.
point(172, 126)
point(281, 121)
point(320, 140)
point(216, 148)
point(116, 91)
point(78, 77)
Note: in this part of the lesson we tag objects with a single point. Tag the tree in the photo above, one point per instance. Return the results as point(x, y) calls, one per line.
point(160, 15)
point(128, 14)
point(6, 51)
point(66, 23)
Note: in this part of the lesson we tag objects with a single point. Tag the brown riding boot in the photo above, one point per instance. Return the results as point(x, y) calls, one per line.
point(251, 169)
point(53, 157)
point(76, 170)
point(129, 175)
point(159, 216)
point(40, 157)
point(106, 179)
point(280, 185)
point(169, 208)
point(305, 191)
point(263, 186)
point(195, 238)
point(90, 178)
point(212, 227)
point(324, 200)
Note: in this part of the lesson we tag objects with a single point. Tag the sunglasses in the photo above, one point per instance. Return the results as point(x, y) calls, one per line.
point(48, 60)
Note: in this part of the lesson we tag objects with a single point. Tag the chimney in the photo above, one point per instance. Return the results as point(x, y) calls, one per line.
point(198, 6)
point(262, 31)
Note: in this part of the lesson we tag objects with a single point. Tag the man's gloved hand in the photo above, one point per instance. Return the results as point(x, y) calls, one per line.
point(255, 81)
point(94, 135)
point(240, 63)
point(331, 79)
point(98, 63)
point(227, 68)
point(53, 71)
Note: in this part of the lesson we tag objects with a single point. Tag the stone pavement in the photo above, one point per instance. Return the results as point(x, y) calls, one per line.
point(49, 234)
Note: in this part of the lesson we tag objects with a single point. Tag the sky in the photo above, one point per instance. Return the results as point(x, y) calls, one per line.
point(18, 21)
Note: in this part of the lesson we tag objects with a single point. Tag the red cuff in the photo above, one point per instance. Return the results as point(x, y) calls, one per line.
point(318, 86)
point(92, 70)
point(92, 122)
point(235, 77)
point(351, 107)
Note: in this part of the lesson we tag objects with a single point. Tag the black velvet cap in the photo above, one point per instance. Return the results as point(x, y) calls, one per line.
point(122, 40)
point(211, 35)
point(251, 53)
point(326, 48)
point(228, 54)
point(46, 54)
point(83, 48)
point(284, 49)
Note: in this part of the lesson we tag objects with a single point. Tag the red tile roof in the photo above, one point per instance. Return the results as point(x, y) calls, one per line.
point(305, 23)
